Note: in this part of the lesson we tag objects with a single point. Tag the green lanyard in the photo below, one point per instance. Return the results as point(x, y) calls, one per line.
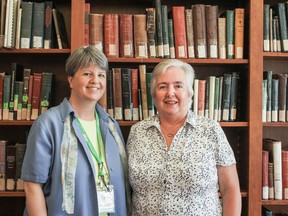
point(97, 157)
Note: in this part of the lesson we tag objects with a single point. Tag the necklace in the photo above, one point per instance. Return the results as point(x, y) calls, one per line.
point(172, 132)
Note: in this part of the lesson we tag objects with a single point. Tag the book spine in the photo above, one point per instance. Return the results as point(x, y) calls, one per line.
point(26, 78)
point(274, 100)
point(110, 103)
point(165, 31)
point(1, 93)
point(189, 32)
point(230, 33)
point(226, 96)
point(283, 25)
point(46, 91)
point(211, 12)
point(151, 31)
point(239, 33)
point(86, 23)
point(10, 167)
point(134, 92)
point(195, 96)
point(38, 25)
point(222, 37)
point(234, 96)
point(20, 152)
point(282, 97)
point(160, 49)
point(143, 87)
point(111, 35)
point(201, 97)
point(126, 93)
point(117, 94)
point(140, 36)
point(285, 173)
point(3, 144)
point(179, 31)
point(48, 26)
point(216, 98)
point(264, 100)
point(126, 36)
point(268, 76)
point(150, 102)
point(96, 26)
point(6, 96)
point(266, 29)
point(35, 104)
point(171, 38)
point(265, 185)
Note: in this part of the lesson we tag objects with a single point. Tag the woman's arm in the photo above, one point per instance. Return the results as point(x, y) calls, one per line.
point(230, 190)
point(35, 201)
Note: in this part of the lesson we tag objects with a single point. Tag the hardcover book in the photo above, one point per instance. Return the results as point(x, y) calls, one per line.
point(96, 27)
point(211, 13)
point(134, 93)
point(36, 94)
point(143, 88)
point(151, 31)
point(239, 33)
point(3, 144)
point(230, 24)
point(10, 167)
point(110, 103)
point(111, 35)
point(60, 28)
point(26, 25)
point(140, 36)
point(126, 93)
point(38, 21)
point(117, 94)
point(49, 28)
point(190, 33)
point(126, 36)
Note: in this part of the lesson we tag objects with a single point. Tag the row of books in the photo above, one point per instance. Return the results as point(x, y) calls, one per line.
point(11, 159)
point(274, 170)
point(128, 95)
point(196, 32)
point(23, 95)
point(275, 31)
point(217, 97)
point(32, 25)
point(274, 97)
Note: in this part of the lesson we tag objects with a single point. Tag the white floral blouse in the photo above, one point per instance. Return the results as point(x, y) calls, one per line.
point(182, 180)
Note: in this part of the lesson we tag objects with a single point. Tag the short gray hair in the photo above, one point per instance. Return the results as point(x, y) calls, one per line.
point(162, 67)
point(84, 57)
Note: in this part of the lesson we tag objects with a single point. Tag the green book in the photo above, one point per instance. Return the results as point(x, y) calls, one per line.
point(38, 25)
point(275, 100)
point(151, 109)
point(6, 96)
point(46, 91)
point(126, 93)
point(171, 38)
point(230, 33)
point(268, 76)
point(281, 12)
point(226, 96)
point(216, 98)
point(20, 152)
point(266, 29)
point(26, 24)
point(165, 31)
point(234, 96)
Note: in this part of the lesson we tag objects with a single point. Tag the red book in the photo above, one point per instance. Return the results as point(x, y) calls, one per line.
point(117, 94)
point(111, 35)
point(179, 23)
point(285, 173)
point(126, 47)
point(265, 185)
point(37, 80)
point(201, 97)
point(134, 92)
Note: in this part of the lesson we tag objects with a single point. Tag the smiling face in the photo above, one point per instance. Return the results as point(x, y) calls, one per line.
point(88, 84)
point(171, 94)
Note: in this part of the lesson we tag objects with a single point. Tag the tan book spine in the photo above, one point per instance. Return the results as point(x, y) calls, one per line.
point(201, 97)
point(239, 33)
point(143, 87)
point(190, 34)
point(222, 37)
point(140, 36)
point(96, 30)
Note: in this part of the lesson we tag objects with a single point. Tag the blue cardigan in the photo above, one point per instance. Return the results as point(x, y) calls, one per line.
point(42, 162)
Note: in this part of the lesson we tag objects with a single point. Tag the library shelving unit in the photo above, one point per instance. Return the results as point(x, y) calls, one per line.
point(244, 135)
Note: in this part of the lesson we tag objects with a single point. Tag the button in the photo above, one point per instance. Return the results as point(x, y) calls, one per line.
point(164, 181)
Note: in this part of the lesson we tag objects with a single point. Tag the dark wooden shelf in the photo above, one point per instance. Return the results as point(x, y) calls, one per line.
point(192, 61)
point(275, 202)
point(275, 124)
point(35, 51)
point(12, 194)
point(275, 55)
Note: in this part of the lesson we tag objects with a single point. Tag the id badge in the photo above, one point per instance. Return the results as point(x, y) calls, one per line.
point(106, 203)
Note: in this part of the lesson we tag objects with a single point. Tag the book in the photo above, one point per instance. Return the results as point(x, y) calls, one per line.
point(2, 22)
point(282, 77)
point(1, 92)
point(60, 29)
point(285, 173)
point(190, 33)
point(10, 167)
point(150, 102)
point(216, 98)
point(49, 28)
point(275, 99)
point(281, 12)
point(18, 106)
point(171, 38)
point(26, 78)
point(126, 93)
point(230, 24)
point(220, 98)
point(201, 97)
point(110, 103)
point(227, 80)
point(180, 39)
point(134, 94)
point(271, 192)
point(195, 96)
point(86, 24)
point(274, 147)
point(239, 33)
point(3, 144)
point(117, 94)
point(265, 185)
point(222, 37)
point(30, 95)
point(18, 24)
point(211, 96)
point(199, 28)
point(126, 44)
point(207, 92)
point(38, 21)
point(264, 100)
point(266, 212)
point(159, 30)
point(10, 24)
point(140, 36)
point(6, 96)
point(234, 96)
point(47, 84)
point(26, 25)
point(165, 31)
point(111, 35)
point(143, 88)
point(266, 28)
point(151, 31)
point(267, 75)
point(36, 95)
point(211, 16)
point(96, 27)
point(20, 152)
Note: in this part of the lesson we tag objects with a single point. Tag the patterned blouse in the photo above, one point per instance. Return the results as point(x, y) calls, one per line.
point(182, 180)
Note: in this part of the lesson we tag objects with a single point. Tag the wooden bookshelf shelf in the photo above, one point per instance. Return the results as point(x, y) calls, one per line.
point(35, 51)
point(275, 202)
point(275, 124)
point(12, 194)
point(15, 123)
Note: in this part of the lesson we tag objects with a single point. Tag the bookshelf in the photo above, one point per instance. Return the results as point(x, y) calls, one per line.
point(244, 135)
